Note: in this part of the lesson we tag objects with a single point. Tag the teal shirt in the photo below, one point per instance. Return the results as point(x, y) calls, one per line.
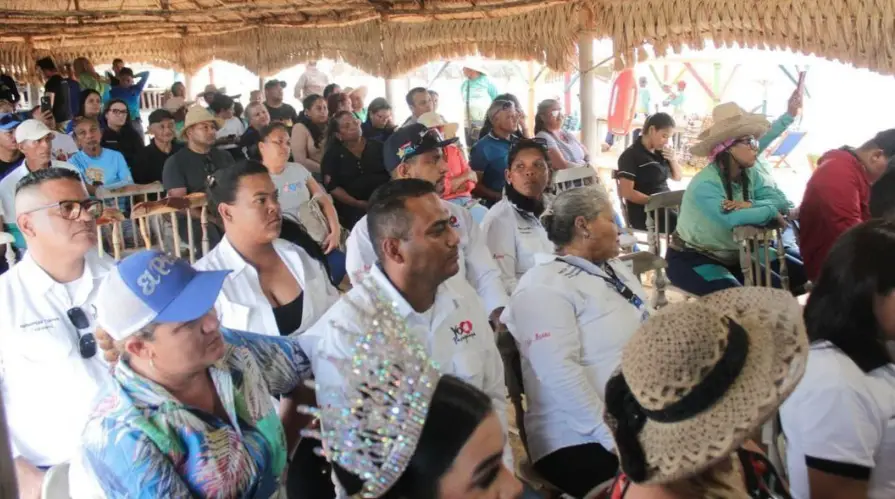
point(480, 93)
point(705, 227)
point(644, 100)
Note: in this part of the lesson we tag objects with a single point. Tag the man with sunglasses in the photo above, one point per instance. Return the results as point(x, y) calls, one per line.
point(49, 368)
point(35, 141)
point(415, 151)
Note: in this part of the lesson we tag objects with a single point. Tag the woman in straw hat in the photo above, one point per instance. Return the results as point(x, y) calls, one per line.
point(477, 92)
point(734, 189)
point(840, 420)
point(696, 381)
point(450, 439)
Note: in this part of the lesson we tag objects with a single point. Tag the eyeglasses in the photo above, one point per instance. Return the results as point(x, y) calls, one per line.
point(556, 113)
point(749, 141)
point(71, 210)
point(119, 112)
point(86, 342)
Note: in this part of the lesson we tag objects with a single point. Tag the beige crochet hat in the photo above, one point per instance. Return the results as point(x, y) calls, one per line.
point(729, 121)
point(699, 377)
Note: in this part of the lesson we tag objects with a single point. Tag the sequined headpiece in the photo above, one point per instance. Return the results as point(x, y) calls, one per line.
point(371, 424)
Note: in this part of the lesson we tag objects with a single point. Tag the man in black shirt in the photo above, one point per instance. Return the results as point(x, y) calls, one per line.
point(57, 89)
point(273, 101)
point(10, 155)
point(150, 162)
point(9, 92)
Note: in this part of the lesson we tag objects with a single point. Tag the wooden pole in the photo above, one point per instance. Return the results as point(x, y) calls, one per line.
point(188, 83)
point(392, 93)
point(588, 117)
point(530, 112)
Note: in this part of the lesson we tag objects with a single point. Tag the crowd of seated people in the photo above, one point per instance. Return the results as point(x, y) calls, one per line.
point(371, 257)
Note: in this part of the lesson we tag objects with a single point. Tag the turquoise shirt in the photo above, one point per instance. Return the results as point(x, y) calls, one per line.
point(479, 93)
point(705, 227)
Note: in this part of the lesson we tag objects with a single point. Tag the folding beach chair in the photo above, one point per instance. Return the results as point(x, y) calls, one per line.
point(785, 147)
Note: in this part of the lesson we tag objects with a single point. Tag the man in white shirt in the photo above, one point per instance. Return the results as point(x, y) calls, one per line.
point(312, 81)
point(63, 146)
point(415, 152)
point(418, 252)
point(49, 367)
point(35, 141)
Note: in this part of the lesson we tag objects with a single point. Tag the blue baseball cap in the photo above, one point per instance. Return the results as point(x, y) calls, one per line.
point(153, 287)
point(8, 121)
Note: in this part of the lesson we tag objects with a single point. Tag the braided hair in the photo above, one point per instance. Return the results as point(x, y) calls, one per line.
point(723, 160)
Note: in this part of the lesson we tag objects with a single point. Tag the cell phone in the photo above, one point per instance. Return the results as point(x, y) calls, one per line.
point(45, 104)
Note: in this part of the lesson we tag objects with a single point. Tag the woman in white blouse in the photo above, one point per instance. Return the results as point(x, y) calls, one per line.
point(571, 315)
point(564, 149)
point(512, 230)
point(307, 134)
point(840, 420)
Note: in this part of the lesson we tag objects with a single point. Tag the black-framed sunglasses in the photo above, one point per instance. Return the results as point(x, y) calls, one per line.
point(749, 141)
point(86, 342)
point(71, 210)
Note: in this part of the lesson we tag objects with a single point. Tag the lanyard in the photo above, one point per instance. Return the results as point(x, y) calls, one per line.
point(617, 284)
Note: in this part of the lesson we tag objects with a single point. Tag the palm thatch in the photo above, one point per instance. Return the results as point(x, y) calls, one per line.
point(389, 37)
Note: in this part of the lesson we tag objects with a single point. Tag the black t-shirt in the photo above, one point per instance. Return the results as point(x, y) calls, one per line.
point(150, 162)
point(649, 171)
point(285, 114)
point(359, 177)
point(6, 167)
point(126, 141)
point(8, 89)
point(59, 87)
point(248, 143)
point(188, 169)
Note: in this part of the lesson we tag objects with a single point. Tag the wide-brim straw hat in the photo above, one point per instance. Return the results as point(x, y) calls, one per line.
point(196, 115)
point(360, 91)
point(475, 65)
point(678, 347)
point(435, 120)
point(729, 121)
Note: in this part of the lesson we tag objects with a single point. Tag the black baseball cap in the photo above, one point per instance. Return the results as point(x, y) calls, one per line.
point(160, 115)
point(410, 141)
point(273, 83)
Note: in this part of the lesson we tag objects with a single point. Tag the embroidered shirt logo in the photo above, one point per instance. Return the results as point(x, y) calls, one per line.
point(463, 332)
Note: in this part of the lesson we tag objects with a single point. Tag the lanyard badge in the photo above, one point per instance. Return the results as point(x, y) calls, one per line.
point(614, 282)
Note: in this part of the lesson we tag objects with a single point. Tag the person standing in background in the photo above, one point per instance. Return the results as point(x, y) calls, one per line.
point(129, 91)
point(311, 82)
point(89, 79)
point(117, 66)
point(278, 110)
point(477, 92)
point(56, 89)
point(643, 97)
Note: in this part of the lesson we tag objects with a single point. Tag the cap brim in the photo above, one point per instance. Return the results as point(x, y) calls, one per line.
point(432, 147)
point(196, 298)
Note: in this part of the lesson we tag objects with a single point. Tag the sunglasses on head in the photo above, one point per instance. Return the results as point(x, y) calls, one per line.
point(86, 342)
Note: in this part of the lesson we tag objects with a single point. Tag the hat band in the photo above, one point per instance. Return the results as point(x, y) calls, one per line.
point(631, 416)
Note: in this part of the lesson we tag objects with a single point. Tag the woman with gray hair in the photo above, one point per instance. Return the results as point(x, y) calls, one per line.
point(571, 315)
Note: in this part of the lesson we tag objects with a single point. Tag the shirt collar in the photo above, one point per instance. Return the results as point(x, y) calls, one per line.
point(232, 259)
point(39, 280)
point(146, 392)
point(442, 295)
point(495, 137)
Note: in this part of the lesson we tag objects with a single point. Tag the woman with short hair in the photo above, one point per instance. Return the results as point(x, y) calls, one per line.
point(571, 315)
point(840, 421)
point(512, 227)
point(190, 412)
point(339, 102)
point(564, 149)
point(258, 118)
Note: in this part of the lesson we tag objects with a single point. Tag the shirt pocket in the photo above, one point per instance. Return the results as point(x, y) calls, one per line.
point(43, 342)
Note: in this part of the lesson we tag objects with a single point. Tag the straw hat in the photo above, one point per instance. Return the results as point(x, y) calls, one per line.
point(175, 103)
point(699, 377)
point(196, 115)
point(475, 65)
point(360, 91)
point(729, 121)
point(435, 120)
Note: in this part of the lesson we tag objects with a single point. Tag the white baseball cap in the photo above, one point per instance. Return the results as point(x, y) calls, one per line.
point(32, 130)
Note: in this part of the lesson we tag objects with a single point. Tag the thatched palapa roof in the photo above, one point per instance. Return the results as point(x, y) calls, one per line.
point(389, 37)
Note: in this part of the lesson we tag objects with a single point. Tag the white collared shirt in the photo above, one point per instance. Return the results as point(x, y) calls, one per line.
point(570, 325)
point(242, 304)
point(514, 238)
point(48, 389)
point(476, 266)
point(455, 332)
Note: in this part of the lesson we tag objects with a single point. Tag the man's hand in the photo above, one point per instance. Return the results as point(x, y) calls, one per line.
point(30, 479)
point(781, 220)
point(794, 106)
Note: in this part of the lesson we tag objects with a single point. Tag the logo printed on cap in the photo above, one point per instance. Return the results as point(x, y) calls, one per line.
point(149, 280)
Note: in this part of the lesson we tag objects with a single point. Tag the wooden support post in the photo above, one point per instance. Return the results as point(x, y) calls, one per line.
point(652, 70)
point(567, 94)
point(530, 112)
point(588, 117)
point(188, 83)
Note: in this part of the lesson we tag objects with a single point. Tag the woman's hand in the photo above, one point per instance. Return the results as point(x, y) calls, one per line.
point(729, 205)
point(331, 242)
point(794, 106)
point(668, 153)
